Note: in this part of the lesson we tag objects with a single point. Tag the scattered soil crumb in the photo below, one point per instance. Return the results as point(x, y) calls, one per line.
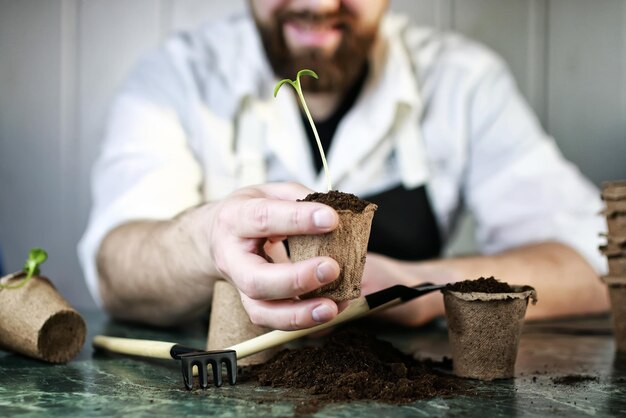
point(573, 379)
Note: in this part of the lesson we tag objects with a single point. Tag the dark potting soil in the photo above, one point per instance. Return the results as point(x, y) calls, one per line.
point(338, 200)
point(353, 365)
point(573, 379)
point(482, 285)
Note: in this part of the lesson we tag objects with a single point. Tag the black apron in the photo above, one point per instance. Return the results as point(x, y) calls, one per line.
point(404, 226)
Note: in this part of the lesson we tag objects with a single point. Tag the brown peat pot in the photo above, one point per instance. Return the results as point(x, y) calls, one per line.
point(617, 293)
point(484, 330)
point(347, 244)
point(36, 321)
point(229, 324)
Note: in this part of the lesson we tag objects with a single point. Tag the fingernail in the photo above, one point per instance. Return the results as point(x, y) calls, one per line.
point(325, 272)
point(323, 218)
point(322, 314)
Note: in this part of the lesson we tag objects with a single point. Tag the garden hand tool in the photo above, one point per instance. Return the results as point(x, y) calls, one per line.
point(191, 357)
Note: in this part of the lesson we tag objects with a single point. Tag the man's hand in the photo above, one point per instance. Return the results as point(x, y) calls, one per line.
point(236, 239)
point(244, 236)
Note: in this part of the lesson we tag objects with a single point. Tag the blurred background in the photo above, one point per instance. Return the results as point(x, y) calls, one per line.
point(61, 62)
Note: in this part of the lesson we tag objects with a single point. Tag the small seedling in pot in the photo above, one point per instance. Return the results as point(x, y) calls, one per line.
point(348, 243)
point(36, 257)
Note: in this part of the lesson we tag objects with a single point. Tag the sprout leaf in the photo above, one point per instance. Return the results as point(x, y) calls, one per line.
point(36, 257)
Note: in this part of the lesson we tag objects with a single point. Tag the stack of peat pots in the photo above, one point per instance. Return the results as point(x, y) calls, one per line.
point(614, 195)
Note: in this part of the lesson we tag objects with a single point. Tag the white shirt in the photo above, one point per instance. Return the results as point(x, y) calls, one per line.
point(197, 120)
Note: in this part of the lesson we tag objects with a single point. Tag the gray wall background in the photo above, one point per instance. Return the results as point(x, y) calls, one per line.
point(61, 61)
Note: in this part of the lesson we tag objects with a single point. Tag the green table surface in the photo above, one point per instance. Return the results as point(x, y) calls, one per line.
point(97, 384)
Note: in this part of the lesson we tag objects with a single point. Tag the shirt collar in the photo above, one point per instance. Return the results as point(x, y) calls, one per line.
point(393, 77)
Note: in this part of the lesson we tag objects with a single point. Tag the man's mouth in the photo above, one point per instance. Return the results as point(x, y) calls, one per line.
point(308, 33)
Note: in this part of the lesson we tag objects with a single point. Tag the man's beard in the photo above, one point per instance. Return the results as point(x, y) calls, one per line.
point(336, 72)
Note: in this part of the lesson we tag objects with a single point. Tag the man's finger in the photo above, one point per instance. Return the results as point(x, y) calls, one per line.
point(277, 251)
point(260, 218)
point(289, 314)
point(259, 279)
point(284, 191)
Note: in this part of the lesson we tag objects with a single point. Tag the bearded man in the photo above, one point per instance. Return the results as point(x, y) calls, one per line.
point(201, 168)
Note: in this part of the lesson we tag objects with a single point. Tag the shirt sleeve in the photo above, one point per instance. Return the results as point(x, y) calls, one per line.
point(519, 187)
point(145, 171)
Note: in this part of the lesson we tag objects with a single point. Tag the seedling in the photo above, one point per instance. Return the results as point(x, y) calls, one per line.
point(296, 85)
point(36, 257)
point(355, 220)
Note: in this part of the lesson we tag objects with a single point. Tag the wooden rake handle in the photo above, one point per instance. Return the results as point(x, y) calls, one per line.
point(356, 308)
point(169, 350)
point(135, 347)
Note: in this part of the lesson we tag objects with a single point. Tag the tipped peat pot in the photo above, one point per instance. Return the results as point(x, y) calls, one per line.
point(37, 322)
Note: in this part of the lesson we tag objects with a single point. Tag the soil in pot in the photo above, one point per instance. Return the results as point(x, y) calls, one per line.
point(483, 285)
point(347, 244)
point(485, 319)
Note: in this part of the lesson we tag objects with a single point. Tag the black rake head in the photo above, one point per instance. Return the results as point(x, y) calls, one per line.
point(201, 359)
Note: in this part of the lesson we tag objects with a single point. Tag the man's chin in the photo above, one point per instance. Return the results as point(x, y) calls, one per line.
point(337, 66)
point(312, 54)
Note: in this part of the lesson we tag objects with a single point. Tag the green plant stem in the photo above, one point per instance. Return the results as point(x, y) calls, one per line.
point(16, 286)
point(36, 257)
point(317, 137)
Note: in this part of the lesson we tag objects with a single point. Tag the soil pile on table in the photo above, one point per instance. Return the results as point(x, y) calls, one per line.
point(482, 285)
point(353, 365)
point(338, 200)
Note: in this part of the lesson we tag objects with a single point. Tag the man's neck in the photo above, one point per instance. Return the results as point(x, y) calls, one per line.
point(322, 105)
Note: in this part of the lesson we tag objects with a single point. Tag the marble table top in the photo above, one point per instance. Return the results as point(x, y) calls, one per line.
point(99, 384)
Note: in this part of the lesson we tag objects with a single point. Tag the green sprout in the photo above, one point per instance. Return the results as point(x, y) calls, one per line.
point(296, 85)
point(36, 257)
